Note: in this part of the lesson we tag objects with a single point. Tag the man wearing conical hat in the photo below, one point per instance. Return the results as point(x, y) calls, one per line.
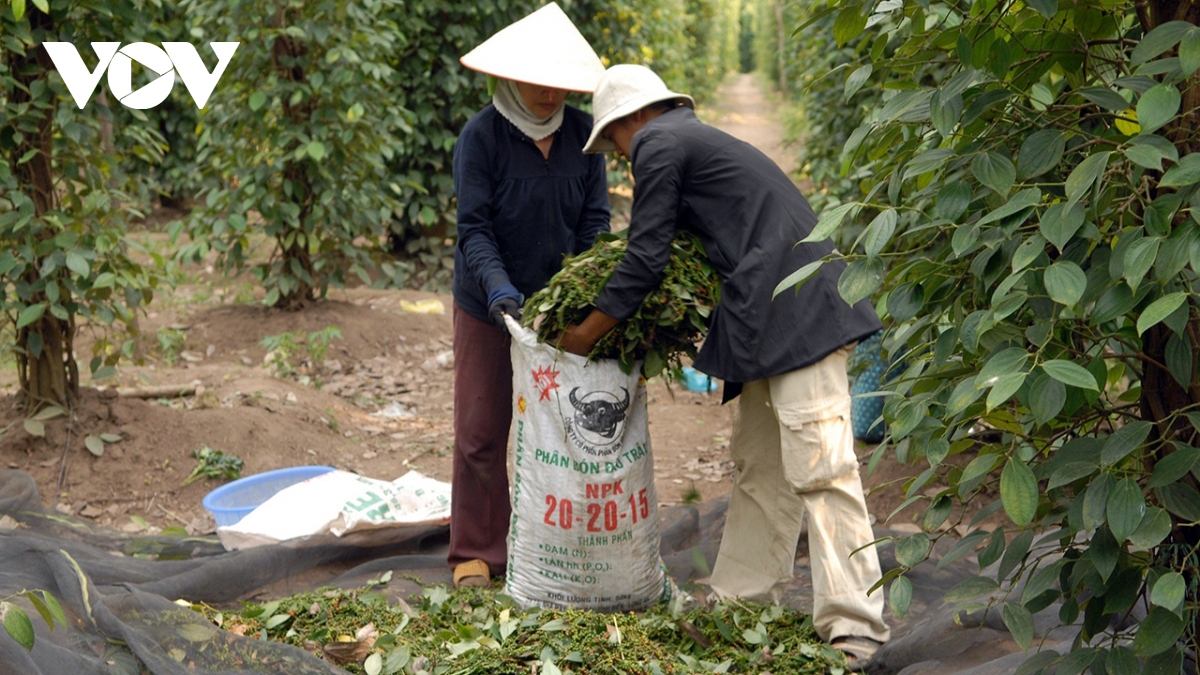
point(527, 196)
point(785, 354)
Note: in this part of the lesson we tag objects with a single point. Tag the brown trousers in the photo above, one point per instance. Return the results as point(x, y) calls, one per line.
point(479, 503)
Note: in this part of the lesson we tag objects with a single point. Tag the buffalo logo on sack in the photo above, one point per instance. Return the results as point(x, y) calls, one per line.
point(599, 420)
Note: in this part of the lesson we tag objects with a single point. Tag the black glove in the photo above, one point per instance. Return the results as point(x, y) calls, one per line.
point(503, 306)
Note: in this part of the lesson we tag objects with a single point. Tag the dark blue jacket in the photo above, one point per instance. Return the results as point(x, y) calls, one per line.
point(519, 213)
point(749, 216)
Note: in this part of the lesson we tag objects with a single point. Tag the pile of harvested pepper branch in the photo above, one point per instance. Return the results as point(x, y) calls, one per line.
point(478, 632)
point(665, 328)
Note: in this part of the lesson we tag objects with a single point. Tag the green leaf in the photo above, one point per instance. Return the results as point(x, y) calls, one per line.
point(41, 608)
point(1124, 441)
point(1173, 467)
point(1155, 527)
point(952, 200)
point(965, 393)
point(1146, 156)
point(1139, 258)
point(374, 664)
point(945, 111)
point(1014, 553)
point(49, 413)
point(829, 221)
point(1163, 38)
point(1169, 592)
point(1180, 499)
point(316, 150)
point(42, 5)
point(927, 161)
point(995, 171)
point(35, 428)
point(1019, 622)
point(879, 232)
point(978, 467)
point(900, 596)
point(1085, 175)
point(1004, 388)
point(1060, 222)
point(1042, 151)
point(856, 80)
point(1126, 508)
point(16, 621)
point(94, 445)
point(1046, 8)
point(1065, 282)
point(257, 100)
point(849, 24)
point(1070, 373)
point(1105, 98)
point(78, 264)
point(1158, 106)
point(1077, 661)
point(797, 278)
point(1158, 632)
point(1027, 252)
point(1019, 202)
point(56, 609)
point(911, 550)
point(970, 589)
point(18, 9)
point(1069, 473)
point(1189, 52)
point(1186, 172)
point(1019, 492)
point(860, 279)
point(1002, 363)
point(1042, 580)
point(30, 314)
point(1159, 310)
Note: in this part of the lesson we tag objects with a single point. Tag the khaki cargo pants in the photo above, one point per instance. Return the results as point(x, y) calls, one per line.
point(794, 452)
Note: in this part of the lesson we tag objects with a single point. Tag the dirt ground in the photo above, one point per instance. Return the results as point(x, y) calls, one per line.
point(383, 407)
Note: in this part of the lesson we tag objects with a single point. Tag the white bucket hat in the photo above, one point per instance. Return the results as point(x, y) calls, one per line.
point(624, 90)
point(544, 48)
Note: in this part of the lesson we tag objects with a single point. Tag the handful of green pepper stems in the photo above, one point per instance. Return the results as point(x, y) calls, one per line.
point(667, 325)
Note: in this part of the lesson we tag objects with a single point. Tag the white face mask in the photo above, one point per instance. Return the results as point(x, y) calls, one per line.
point(509, 103)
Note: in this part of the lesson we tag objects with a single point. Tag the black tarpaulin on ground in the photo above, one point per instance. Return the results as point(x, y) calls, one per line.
point(118, 590)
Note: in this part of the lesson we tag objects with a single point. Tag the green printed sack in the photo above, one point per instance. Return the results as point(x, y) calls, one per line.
point(584, 527)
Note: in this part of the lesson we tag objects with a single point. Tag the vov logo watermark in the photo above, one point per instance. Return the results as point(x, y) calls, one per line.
point(178, 57)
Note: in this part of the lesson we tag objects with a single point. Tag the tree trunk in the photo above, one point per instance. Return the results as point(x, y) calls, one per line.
point(287, 58)
point(45, 356)
point(1162, 396)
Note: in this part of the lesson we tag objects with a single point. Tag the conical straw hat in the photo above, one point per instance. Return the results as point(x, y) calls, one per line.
point(543, 48)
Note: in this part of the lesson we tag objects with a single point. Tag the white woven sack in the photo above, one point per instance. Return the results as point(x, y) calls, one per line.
point(584, 527)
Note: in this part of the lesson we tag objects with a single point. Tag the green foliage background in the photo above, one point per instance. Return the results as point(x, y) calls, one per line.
point(1016, 187)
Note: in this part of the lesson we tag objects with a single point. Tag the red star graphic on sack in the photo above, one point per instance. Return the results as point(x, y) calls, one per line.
point(544, 380)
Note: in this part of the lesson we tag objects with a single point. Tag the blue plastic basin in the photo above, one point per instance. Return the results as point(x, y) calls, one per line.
point(230, 503)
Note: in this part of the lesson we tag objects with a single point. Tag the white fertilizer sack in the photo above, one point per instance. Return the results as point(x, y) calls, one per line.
point(584, 527)
point(339, 502)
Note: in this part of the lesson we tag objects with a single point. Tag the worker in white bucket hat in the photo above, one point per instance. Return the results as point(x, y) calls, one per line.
point(527, 196)
point(785, 356)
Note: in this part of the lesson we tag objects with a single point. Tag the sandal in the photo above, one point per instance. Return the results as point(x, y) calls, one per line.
point(472, 574)
point(858, 650)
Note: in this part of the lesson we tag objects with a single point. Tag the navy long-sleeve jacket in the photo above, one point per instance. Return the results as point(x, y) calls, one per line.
point(749, 216)
point(519, 214)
